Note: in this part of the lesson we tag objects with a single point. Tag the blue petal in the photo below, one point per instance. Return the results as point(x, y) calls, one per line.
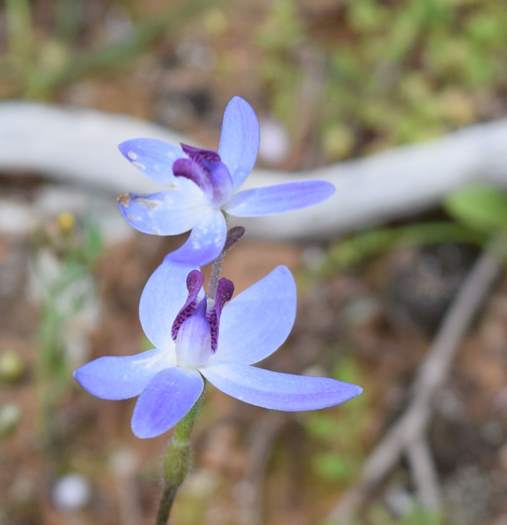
point(205, 242)
point(122, 377)
point(239, 139)
point(169, 212)
point(169, 397)
point(257, 321)
point(279, 198)
point(277, 391)
point(162, 298)
point(153, 157)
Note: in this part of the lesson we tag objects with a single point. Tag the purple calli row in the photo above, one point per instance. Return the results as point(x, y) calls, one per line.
point(219, 340)
point(205, 185)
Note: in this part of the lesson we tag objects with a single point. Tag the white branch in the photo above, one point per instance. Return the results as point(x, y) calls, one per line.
point(78, 146)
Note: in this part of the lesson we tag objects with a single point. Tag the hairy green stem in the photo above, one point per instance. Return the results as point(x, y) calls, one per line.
point(216, 269)
point(177, 462)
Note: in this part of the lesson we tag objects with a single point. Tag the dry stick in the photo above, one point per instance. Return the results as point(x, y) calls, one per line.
point(424, 474)
point(79, 147)
point(262, 436)
point(431, 375)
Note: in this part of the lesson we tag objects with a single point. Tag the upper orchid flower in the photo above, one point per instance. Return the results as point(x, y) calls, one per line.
point(220, 340)
point(205, 185)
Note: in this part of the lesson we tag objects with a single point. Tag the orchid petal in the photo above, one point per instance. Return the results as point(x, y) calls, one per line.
point(123, 377)
point(205, 242)
point(278, 391)
point(239, 139)
point(257, 321)
point(162, 298)
point(168, 212)
point(153, 157)
point(168, 397)
point(279, 198)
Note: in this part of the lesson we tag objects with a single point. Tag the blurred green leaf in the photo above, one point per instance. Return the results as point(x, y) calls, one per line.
point(363, 246)
point(334, 466)
point(10, 417)
point(481, 207)
point(19, 29)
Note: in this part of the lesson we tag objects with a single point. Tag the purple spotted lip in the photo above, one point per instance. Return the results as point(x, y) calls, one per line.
point(220, 340)
point(205, 185)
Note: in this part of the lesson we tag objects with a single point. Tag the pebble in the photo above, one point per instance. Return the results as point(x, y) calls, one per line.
point(71, 492)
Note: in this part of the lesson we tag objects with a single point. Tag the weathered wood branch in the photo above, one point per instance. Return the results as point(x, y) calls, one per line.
point(412, 426)
point(78, 146)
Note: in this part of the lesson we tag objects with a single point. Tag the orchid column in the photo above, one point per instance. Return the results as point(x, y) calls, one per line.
point(198, 336)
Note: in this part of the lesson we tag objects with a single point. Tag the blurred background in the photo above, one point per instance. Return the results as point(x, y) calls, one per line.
point(331, 81)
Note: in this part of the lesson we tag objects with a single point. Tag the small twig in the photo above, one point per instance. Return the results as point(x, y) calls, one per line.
point(262, 437)
point(424, 474)
point(233, 235)
point(431, 375)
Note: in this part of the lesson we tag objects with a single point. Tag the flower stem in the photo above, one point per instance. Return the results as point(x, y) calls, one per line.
point(177, 463)
point(216, 269)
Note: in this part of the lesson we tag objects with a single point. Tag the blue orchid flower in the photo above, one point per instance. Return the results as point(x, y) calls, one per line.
point(219, 340)
point(204, 186)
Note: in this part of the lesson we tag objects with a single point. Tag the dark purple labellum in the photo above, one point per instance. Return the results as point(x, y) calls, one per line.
point(202, 156)
point(204, 168)
point(195, 280)
point(192, 170)
point(225, 289)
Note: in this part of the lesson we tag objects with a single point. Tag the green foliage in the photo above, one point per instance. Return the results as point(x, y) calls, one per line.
point(279, 35)
point(334, 466)
point(363, 246)
point(19, 28)
point(282, 29)
point(340, 452)
point(394, 72)
point(478, 211)
point(66, 290)
point(378, 515)
point(10, 417)
point(38, 69)
point(483, 208)
point(416, 516)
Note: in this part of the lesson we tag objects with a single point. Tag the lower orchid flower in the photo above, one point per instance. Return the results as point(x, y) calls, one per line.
point(204, 187)
point(218, 339)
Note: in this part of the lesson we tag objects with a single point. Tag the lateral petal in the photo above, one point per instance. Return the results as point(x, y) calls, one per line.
point(123, 377)
point(239, 139)
point(258, 320)
point(168, 397)
point(168, 212)
point(277, 391)
point(152, 157)
point(279, 198)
